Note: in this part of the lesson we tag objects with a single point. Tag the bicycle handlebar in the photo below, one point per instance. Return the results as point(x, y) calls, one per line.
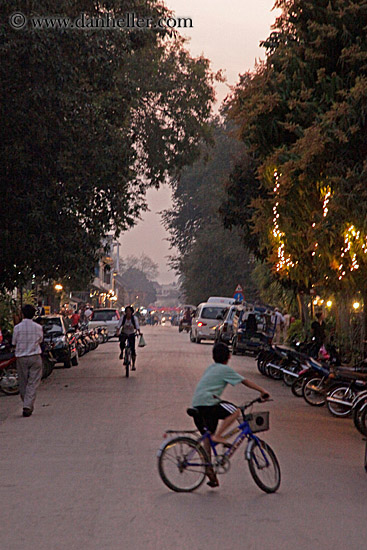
point(246, 405)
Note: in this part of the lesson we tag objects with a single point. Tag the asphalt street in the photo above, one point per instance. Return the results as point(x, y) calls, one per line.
point(81, 472)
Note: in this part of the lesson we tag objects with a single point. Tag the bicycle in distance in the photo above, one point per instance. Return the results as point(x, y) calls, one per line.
point(183, 462)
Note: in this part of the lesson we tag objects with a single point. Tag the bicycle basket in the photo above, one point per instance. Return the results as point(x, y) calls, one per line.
point(258, 422)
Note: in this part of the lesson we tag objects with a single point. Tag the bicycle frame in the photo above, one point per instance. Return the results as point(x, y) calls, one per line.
point(245, 432)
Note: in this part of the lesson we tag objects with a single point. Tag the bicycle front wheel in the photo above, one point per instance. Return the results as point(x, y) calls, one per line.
point(264, 466)
point(182, 464)
point(127, 361)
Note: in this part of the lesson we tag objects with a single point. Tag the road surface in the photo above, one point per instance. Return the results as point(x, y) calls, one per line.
point(81, 472)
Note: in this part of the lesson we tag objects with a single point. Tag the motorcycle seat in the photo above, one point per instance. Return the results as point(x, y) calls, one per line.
point(351, 374)
point(6, 357)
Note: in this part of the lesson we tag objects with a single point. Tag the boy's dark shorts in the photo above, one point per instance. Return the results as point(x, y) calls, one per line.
point(209, 416)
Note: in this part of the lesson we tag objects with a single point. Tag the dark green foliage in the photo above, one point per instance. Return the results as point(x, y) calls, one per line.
point(212, 260)
point(137, 281)
point(88, 120)
point(303, 113)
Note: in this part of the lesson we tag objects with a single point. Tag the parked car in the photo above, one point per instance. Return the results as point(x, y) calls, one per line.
point(224, 329)
point(105, 317)
point(205, 320)
point(61, 340)
point(251, 331)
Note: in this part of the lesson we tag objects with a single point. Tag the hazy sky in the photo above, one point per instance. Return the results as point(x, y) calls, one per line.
point(228, 33)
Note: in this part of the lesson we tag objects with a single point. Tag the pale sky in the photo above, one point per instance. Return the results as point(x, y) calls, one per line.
point(228, 34)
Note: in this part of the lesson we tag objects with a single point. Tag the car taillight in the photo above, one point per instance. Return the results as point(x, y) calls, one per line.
point(201, 324)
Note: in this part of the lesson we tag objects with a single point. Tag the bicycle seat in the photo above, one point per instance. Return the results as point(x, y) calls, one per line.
point(193, 411)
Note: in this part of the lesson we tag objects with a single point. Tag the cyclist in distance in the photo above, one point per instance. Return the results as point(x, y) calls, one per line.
point(127, 326)
point(213, 382)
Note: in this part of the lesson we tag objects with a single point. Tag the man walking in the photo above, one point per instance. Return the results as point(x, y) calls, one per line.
point(27, 337)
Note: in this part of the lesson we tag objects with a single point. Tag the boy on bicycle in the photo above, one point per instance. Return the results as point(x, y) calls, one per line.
point(213, 382)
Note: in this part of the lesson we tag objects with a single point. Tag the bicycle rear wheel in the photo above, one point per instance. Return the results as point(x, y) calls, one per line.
point(264, 466)
point(182, 464)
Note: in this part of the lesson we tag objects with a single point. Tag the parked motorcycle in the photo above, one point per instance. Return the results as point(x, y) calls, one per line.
point(48, 360)
point(8, 372)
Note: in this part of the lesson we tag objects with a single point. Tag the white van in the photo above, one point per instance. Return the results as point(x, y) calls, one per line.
point(205, 320)
point(222, 300)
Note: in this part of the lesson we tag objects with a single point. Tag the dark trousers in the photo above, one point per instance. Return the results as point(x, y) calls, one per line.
point(131, 337)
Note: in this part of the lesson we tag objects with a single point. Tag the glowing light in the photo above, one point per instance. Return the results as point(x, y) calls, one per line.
point(356, 305)
point(329, 303)
point(58, 287)
point(284, 260)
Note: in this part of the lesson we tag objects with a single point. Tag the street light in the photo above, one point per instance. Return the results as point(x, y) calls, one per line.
point(58, 287)
point(329, 303)
point(356, 305)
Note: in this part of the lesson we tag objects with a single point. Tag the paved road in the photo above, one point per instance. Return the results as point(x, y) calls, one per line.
point(81, 472)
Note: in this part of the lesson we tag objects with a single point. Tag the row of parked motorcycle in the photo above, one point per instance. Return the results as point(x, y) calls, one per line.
point(322, 381)
point(81, 341)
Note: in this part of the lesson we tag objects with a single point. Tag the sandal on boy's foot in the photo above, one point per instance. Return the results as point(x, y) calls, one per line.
point(27, 411)
point(213, 482)
point(121, 356)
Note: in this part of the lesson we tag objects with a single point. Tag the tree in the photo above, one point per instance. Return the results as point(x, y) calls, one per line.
point(144, 264)
point(138, 285)
point(302, 113)
point(211, 259)
point(88, 120)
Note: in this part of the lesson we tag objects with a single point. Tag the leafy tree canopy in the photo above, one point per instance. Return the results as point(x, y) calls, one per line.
point(144, 264)
point(211, 260)
point(88, 120)
point(303, 115)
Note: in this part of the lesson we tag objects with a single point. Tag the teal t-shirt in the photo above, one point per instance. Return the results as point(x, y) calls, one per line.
point(213, 382)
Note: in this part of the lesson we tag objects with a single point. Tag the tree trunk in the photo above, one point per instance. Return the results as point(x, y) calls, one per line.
point(302, 308)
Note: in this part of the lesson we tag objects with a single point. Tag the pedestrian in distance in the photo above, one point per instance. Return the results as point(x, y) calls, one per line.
point(318, 328)
point(88, 313)
point(75, 318)
point(27, 337)
point(40, 310)
point(207, 400)
point(287, 323)
point(279, 324)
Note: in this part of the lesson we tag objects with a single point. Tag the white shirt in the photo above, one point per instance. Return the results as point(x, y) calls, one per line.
point(279, 318)
point(128, 327)
point(27, 337)
point(88, 312)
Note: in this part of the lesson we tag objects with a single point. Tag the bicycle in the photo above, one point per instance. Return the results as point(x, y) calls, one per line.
point(127, 355)
point(184, 457)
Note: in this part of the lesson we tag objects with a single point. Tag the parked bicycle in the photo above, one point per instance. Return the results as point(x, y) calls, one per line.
point(183, 462)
